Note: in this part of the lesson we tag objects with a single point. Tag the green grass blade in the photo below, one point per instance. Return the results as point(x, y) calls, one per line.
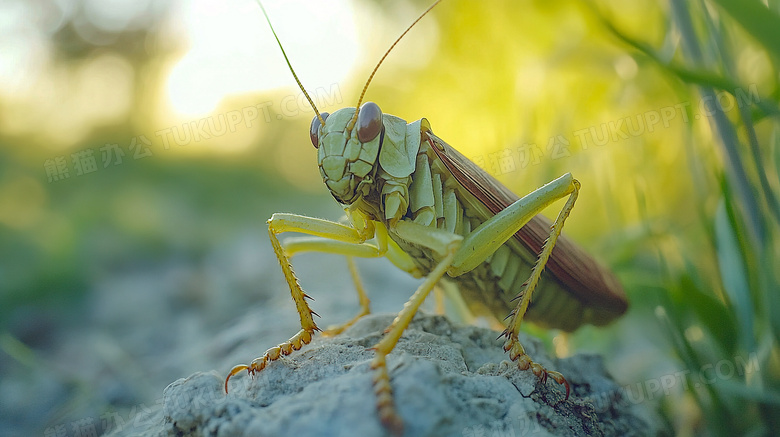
point(757, 20)
point(732, 273)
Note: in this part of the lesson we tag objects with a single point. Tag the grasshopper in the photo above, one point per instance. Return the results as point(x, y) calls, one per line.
point(412, 198)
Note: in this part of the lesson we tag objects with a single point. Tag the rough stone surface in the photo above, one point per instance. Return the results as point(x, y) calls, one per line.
point(448, 380)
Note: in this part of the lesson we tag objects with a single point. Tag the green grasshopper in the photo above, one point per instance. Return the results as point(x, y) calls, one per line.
point(414, 199)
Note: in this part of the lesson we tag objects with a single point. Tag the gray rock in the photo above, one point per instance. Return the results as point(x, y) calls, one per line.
point(447, 380)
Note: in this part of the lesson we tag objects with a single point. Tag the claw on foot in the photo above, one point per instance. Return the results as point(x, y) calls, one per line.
point(542, 373)
point(257, 365)
point(234, 371)
point(524, 362)
point(557, 377)
point(303, 337)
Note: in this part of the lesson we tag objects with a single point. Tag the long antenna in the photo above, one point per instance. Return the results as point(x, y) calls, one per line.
point(363, 93)
point(311, 102)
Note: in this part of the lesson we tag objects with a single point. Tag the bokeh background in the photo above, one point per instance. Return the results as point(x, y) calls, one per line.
point(144, 144)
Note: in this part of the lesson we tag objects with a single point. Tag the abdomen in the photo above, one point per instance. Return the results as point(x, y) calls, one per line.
point(436, 199)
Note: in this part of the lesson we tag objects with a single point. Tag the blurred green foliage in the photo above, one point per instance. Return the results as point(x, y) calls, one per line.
point(667, 112)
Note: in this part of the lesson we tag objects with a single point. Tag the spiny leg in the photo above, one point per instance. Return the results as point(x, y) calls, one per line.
point(336, 238)
point(384, 247)
point(308, 326)
point(443, 243)
point(490, 235)
point(512, 343)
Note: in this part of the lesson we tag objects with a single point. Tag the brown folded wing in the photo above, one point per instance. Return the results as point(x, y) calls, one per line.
point(571, 266)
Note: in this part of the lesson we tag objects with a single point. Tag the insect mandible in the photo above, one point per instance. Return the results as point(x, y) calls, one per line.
point(414, 199)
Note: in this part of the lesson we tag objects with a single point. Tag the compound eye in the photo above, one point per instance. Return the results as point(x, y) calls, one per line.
point(314, 131)
point(369, 122)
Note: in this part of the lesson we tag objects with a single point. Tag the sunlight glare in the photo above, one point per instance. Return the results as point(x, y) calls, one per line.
point(232, 51)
